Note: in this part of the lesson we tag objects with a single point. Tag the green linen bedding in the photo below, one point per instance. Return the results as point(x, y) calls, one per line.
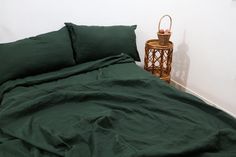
point(108, 108)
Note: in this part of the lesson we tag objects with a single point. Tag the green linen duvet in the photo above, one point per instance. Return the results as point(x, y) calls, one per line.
point(108, 108)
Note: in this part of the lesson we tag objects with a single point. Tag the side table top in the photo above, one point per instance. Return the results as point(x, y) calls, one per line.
point(156, 44)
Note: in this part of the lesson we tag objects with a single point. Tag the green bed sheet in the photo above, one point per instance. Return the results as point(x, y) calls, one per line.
point(108, 108)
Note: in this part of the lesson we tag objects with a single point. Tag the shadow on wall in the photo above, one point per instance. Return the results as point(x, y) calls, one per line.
point(233, 3)
point(181, 63)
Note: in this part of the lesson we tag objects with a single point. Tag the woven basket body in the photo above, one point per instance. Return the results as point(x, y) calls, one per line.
point(164, 37)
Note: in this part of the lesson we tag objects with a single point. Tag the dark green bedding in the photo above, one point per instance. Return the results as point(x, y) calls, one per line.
point(108, 108)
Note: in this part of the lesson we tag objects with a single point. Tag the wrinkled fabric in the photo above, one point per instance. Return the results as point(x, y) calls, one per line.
point(108, 108)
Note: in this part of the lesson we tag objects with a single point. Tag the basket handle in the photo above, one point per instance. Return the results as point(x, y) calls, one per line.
point(159, 25)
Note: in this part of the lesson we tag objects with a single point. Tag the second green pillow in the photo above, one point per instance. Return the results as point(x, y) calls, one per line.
point(96, 42)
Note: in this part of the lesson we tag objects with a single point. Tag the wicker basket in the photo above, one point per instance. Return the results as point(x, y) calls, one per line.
point(164, 37)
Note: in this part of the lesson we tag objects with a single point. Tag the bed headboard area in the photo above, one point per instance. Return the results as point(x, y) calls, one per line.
point(68, 46)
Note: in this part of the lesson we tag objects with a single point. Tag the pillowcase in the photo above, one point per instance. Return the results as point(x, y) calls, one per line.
point(96, 42)
point(35, 55)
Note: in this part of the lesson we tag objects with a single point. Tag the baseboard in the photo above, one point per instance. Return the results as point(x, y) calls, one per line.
point(185, 89)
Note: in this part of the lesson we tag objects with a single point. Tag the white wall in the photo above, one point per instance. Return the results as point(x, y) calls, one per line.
point(203, 33)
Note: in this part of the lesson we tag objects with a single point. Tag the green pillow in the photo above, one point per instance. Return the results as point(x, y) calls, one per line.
point(96, 42)
point(35, 55)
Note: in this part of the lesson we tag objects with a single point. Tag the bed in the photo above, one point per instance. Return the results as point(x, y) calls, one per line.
point(107, 107)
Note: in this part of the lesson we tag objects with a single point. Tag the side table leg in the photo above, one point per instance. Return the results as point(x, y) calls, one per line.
point(153, 60)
